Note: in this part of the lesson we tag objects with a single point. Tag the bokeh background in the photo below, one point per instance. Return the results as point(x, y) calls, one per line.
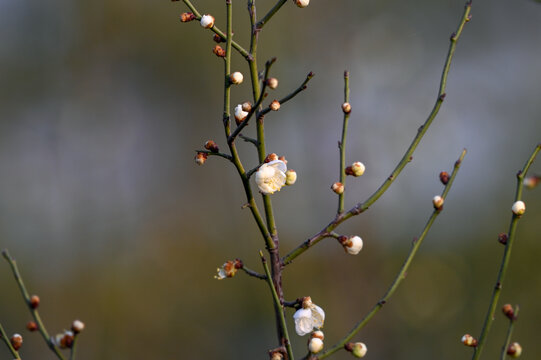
point(102, 104)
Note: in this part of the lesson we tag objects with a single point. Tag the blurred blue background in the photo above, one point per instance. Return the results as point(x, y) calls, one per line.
point(102, 105)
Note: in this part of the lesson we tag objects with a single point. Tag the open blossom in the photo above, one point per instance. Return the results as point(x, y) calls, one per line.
point(308, 318)
point(271, 176)
point(228, 269)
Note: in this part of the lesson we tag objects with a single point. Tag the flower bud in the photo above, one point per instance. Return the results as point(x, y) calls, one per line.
point(275, 105)
point(187, 17)
point(31, 326)
point(200, 158)
point(64, 340)
point(211, 145)
point(518, 208)
point(315, 345)
point(353, 245)
point(276, 355)
point(302, 3)
point(508, 311)
point(77, 326)
point(282, 158)
point(291, 177)
point(16, 341)
point(271, 157)
point(338, 188)
point(346, 108)
point(531, 181)
point(272, 83)
point(240, 114)
point(514, 350)
point(247, 106)
point(502, 238)
point(217, 38)
point(357, 349)
point(34, 301)
point(318, 334)
point(357, 169)
point(218, 51)
point(444, 177)
point(207, 21)
point(438, 202)
point(469, 340)
point(236, 78)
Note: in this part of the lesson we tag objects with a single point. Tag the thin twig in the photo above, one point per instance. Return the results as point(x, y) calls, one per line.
point(208, 152)
point(342, 145)
point(406, 158)
point(510, 328)
point(253, 273)
point(33, 311)
point(6, 340)
point(289, 96)
point(270, 14)
point(489, 318)
point(403, 270)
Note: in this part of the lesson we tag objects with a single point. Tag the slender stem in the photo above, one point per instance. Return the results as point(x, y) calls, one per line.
point(403, 270)
point(6, 340)
point(489, 318)
point(253, 273)
point(278, 304)
point(270, 14)
point(406, 158)
point(73, 347)
point(215, 30)
point(509, 333)
point(208, 152)
point(33, 311)
point(342, 145)
point(289, 96)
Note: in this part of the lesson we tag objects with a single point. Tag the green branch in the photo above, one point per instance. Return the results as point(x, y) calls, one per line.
point(6, 340)
point(401, 274)
point(342, 145)
point(489, 318)
point(510, 328)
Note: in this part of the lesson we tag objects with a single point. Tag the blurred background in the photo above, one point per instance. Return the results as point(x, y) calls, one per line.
point(103, 103)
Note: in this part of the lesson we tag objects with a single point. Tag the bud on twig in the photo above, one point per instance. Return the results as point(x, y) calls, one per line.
point(34, 301)
point(275, 105)
point(338, 188)
point(31, 326)
point(236, 78)
point(353, 244)
point(291, 177)
point(357, 349)
point(77, 326)
point(508, 311)
point(218, 51)
point(207, 21)
point(356, 169)
point(502, 238)
point(217, 38)
point(315, 345)
point(187, 17)
point(302, 3)
point(514, 350)
point(246, 106)
point(532, 181)
point(518, 208)
point(211, 146)
point(16, 341)
point(437, 201)
point(272, 83)
point(346, 108)
point(469, 340)
point(200, 158)
point(240, 113)
point(444, 177)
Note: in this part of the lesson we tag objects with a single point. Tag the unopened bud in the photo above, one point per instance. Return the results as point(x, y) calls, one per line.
point(318, 334)
point(514, 350)
point(275, 105)
point(207, 21)
point(31, 326)
point(315, 345)
point(218, 51)
point(276, 355)
point(356, 169)
point(236, 78)
point(200, 158)
point(437, 201)
point(77, 326)
point(357, 349)
point(508, 311)
point(291, 177)
point(211, 145)
point(34, 301)
point(64, 340)
point(469, 340)
point(502, 238)
point(444, 177)
point(187, 17)
point(518, 208)
point(346, 108)
point(353, 245)
point(247, 106)
point(270, 157)
point(240, 114)
point(272, 83)
point(16, 341)
point(338, 188)
point(302, 3)
point(217, 38)
point(532, 181)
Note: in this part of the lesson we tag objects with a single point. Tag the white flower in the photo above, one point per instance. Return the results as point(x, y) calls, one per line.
point(315, 345)
point(302, 3)
point(270, 177)
point(307, 318)
point(207, 21)
point(519, 208)
point(240, 114)
point(228, 270)
point(353, 245)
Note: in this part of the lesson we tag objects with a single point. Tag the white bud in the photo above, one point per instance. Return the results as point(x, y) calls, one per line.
point(302, 3)
point(318, 334)
point(291, 177)
point(353, 245)
point(77, 326)
point(469, 340)
point(438, 202)
point(338, 188)
point(519, 208)
point(514, 350)
point(359, 350)
point(272, 83)
point(357, 168)
point(275, 105)
point(315, 345)
point(207, 21)
point(240, 114)
point(236, 78)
